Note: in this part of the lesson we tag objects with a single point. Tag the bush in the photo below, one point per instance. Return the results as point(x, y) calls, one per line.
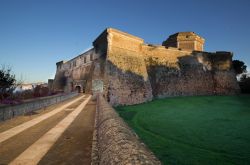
point(7, 83)
point(245, 84)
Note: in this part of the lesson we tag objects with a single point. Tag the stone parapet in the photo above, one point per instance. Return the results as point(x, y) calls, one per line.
point(10, 111)
point(114, 142)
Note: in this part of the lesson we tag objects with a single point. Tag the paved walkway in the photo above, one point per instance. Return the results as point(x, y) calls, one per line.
point(62, 135)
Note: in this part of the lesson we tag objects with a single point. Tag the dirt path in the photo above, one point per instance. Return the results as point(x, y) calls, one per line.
point(74, 146)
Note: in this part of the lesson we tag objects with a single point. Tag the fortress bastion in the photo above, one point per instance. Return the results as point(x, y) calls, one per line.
point(129, 71)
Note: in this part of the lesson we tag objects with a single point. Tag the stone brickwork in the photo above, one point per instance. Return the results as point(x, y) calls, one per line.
point(182, 73)
point(186, 41)
point(10, 111)
point(75, 72)
point(128, 81)
point(114, 142)
point(133, 72)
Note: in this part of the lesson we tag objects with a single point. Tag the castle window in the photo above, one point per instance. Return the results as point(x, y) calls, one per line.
point(91, 57)
point(96, 48)
point(74, 63)
point(85, 59)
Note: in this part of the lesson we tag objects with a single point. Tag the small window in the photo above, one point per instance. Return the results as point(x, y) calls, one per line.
point(85, 59)
point(96, 48)
point(91, 57)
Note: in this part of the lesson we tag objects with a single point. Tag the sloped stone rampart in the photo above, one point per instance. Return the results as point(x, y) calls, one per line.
point(126, 71)
point(114, 142)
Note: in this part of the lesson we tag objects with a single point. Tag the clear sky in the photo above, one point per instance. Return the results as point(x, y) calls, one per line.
point(35, 34)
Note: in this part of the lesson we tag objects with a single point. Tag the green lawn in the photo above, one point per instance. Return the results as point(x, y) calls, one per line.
point(194, 130)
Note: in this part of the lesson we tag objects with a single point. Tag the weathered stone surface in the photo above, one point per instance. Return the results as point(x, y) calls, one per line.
point(133, 72)
point(115, 142)
point(10, 111)
point(76, 72)
point(185, 40)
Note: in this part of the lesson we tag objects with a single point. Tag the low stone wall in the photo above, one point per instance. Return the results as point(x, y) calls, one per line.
point(114, 142)
point(10, 111)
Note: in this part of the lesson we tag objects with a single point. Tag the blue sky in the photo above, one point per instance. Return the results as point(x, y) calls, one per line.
point(35, 34)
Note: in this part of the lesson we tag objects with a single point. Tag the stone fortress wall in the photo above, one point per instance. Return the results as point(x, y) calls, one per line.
point(126, 72)
point(74, 74)
point(133, 72)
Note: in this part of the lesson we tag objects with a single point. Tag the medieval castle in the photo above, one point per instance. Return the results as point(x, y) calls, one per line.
point(129, 71)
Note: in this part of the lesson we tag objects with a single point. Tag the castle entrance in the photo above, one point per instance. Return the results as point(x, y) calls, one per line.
point(78, 89)
point(79, 86)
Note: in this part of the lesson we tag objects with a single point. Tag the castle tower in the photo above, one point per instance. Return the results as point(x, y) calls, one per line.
point(185, 41)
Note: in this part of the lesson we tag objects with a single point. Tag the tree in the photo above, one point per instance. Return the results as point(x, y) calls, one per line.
point(7, 82)
point(245, 83)
point(243, 77)
point(239, 67)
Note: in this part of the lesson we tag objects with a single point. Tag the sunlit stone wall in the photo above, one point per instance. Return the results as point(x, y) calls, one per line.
point(134, 72)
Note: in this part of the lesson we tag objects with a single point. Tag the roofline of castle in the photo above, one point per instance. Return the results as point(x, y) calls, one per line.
point(82, 54)
point(110, 30)
point(186, 33)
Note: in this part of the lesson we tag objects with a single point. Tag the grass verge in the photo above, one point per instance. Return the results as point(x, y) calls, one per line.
point(194, 130)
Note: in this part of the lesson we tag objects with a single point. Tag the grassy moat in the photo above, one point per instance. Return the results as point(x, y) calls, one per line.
point(194, 130)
